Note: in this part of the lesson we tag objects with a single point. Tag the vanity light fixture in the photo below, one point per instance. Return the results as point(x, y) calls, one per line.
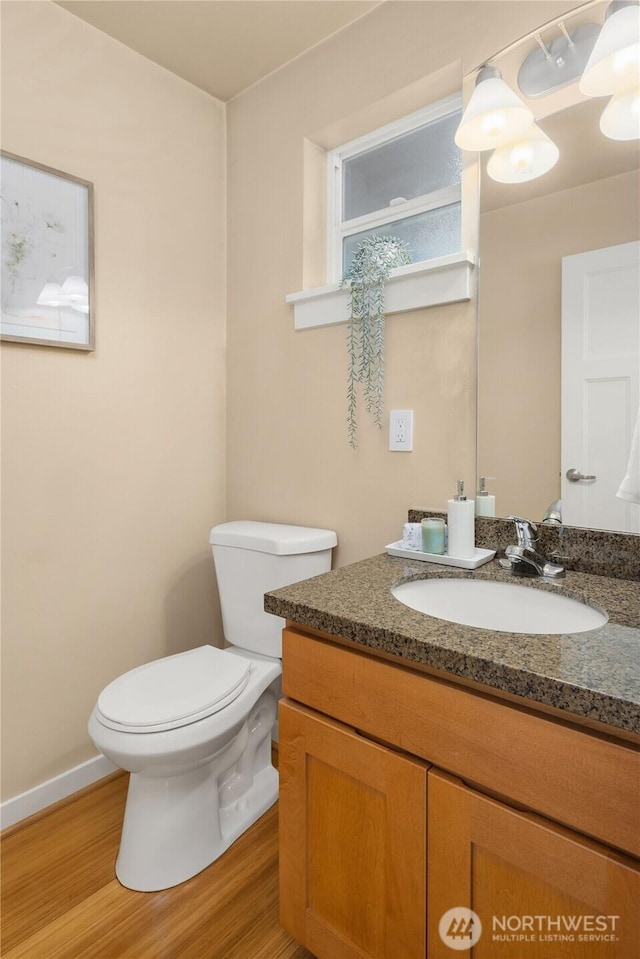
point(81, 306)
point(614, 64)
point(496, 118)
point(495, 115)
point(558, 61)
point(608, 59)
point(74, 288)
point(614, 68)
point(525, 158)
point(50, 295)
point(73, 293)
point(621, 117)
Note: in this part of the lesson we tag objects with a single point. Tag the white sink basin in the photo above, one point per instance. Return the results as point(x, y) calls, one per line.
point(505, 607)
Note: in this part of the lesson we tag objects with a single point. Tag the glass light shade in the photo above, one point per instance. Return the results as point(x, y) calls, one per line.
point(50, 295)
point(73, 288)
point(495, 115)
point(525, 158)
point(614, 64)
point(621, 117)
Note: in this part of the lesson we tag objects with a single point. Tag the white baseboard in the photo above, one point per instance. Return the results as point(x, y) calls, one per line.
point(27, 803)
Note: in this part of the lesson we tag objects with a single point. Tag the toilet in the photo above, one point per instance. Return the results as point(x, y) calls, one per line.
point(194, 729)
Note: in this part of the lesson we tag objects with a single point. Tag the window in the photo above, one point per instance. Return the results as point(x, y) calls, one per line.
point(401, 180)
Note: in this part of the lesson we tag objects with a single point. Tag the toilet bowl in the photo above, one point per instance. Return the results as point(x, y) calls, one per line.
point(194, 729)
point(197, 782)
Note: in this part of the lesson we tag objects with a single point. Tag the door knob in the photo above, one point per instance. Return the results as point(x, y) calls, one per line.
point(574, 476)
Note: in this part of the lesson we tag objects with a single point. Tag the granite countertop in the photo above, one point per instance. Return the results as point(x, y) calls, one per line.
point(594, 675)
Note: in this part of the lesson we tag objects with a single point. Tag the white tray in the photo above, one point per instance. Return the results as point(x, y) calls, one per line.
point(481, 556)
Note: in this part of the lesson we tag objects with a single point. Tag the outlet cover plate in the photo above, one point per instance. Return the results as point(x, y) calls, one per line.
point(401, 431)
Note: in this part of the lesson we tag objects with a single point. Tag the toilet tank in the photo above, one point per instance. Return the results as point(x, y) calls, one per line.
point(252, 558)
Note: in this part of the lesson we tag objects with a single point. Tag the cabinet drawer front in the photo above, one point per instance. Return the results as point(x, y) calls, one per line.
point(352, 842)
point(583, 780)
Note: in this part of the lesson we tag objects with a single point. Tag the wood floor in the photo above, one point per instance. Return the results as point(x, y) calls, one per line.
point(61, 900)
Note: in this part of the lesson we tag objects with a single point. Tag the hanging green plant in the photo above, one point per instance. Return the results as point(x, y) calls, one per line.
point(372, 262)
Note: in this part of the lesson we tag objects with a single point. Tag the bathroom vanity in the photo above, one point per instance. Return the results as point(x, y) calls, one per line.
point(426, 766)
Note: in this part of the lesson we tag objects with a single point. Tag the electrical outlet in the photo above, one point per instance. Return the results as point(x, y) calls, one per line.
point(401, 431)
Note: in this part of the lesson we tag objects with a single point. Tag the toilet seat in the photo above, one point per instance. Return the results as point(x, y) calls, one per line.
point(174, 691)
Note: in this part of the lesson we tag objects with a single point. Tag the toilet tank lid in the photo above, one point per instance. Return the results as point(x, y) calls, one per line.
point(273, 538)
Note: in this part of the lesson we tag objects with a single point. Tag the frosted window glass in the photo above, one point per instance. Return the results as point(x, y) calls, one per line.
point(408, 166)
point(428, 235)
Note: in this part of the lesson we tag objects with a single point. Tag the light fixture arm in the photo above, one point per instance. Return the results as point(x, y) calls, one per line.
point(545, 49)
point(559, 61)
point(566, 35)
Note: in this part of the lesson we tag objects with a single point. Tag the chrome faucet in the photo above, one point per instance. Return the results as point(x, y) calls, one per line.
point(524, 559)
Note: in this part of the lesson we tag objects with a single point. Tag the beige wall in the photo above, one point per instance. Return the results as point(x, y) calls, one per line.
point(522, 246)
point(113, 462)
point(288, 458)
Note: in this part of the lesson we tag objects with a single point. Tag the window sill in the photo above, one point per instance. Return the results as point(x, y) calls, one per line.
point(447, 279)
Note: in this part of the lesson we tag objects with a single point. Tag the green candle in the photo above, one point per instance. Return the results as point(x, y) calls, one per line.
point(433, 535)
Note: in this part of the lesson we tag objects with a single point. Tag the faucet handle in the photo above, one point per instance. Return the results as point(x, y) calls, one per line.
point(526, 531)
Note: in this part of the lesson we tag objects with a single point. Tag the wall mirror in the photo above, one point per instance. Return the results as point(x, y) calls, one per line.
point(559, 309)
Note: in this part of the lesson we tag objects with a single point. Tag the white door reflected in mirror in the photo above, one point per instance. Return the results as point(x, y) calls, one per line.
point(600, 384)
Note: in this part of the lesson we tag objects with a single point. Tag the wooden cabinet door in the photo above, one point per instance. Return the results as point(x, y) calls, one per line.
point(352, 841)
point(540, 891)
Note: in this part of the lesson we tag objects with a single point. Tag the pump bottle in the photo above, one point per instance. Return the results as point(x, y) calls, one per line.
point(461, 525)
point(485, 502)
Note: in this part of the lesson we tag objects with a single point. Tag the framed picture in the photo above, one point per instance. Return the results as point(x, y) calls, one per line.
point(46, 295)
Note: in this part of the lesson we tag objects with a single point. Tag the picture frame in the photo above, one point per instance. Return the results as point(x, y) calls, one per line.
point(47, 256)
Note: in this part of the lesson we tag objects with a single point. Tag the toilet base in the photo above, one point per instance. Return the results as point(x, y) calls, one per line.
point(176, 826)
point(174, 829)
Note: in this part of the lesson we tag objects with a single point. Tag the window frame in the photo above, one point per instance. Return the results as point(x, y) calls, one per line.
point(338, 229)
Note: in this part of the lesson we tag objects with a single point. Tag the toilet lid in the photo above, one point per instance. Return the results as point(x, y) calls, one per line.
point(174, 691)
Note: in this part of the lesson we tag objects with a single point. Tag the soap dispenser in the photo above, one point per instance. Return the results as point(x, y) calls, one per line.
point(461, 524)
point(485, 501)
